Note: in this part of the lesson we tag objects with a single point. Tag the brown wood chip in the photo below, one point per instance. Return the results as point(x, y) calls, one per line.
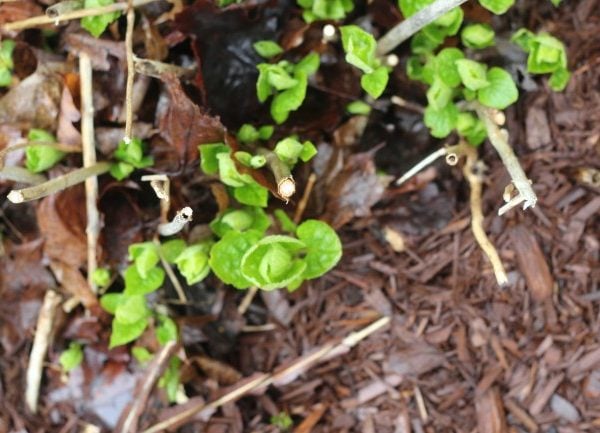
point(542, 397)
point(532, 263)
point(490, 412)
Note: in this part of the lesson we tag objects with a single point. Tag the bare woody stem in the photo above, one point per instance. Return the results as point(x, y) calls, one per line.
point(41, 20)
point(509, 159)
point(130, 72)
point(20, 174)
point(58, 183)
point(63, 7)
point(404, 30)
point(286, 186)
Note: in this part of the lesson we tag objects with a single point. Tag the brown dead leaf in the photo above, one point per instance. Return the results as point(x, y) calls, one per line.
point(34, 102)
point(186, 125)
point(353, 191)
point(17, 11)
point(217, 370)
point(66, 133)
point(99, 50)
point(536, 124)
point(62, 222)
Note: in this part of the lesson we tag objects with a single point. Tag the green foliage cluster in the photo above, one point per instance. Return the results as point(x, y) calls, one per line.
point(360, 49)
point(41, 155)
point(130, 156)
point(96, 25)
point(72, 357)
point(282, 421)
point(314, 10)
point(547, 55)
point(287, 82)
point(7, 47)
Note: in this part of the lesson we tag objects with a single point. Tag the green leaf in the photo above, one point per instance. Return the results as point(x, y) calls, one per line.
point(358, 107)
point(193, 263)
point(289, 100)
point(145, 256)
point(267, 49)
point(265, 132)
point(208, 156)
point(271, 263)
point(414, 68)
point(166, 330)
point(170, 379)
point(439, 94)
point(375, 82)
point(523, 38)
point(228, 172)
point(444, 65)
point(450, 22)
point(171, 249)
point(285, 222)
point(72, 357)
point(263, 88)
point(477, 36)
point(441, 122)
point(7, 47)
point(226, 257)
point(411, 7)
point(308, 151)
point(258, 161)
point(280, 79)
point(141, 354)
point(41, 157)
point(252, 194)
point(547, 54)
point(101, 277)
point(136, 285)
point(121, 170)
point(248, 218)
point(471, 128)
point(247, 133)
point(556, 3)
point(288, 150)
point(123, 333)
point(324, 248)
point(359, 47)
point(97, 24)
point(497, 6)
point(282, 421)
point(42, 136)
point(308, 65)
point(132, 309)
point(110, 301)
point(472, 74)
point(5, 77)
point(424, 42)
point(559, 80)
point(501, 92)
point(133, 153)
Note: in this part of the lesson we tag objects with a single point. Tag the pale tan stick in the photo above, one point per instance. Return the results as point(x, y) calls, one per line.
point(281, 377)
point(22, 175)
point(412, 25)
point(41, 342)
point(58, 183)
point(475, 182)
point(305, 196)
point(180, 220)
point(250, 294)
point(63, 7)
point(171, 275)
point(156, 69)
point(286, 186)
point(89, 160)
point(41, 20)
point(499, 141)
point(130, 73)
point(448, 151)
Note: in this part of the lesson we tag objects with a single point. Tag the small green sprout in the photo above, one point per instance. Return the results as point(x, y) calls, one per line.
point(249, 134)
point(141, 354)
point(547, 55)
point(282, 421)
point(193, 262)
point(240, 220)
point(358, 107)
point(289, 150)
point(72, 357)
point(267, 49)
point(7, 47)
point(166, 330)
point(497, 6)
point(101, 277)
point(477, 36)
point(170, 380)
point(96, 25)
point(40, 157)
point(129, 157)
point(325, 9)
point(360, 47)
point(287, 82)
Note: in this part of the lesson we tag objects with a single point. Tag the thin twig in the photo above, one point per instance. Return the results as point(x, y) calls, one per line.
point(58, 183)
point(430, 159)
point(172, 277)
point(41, 20)
point(286, 186)
point(475, 182)
point(21, 175)
point(130, 72)
point(510, 161)
point(63, 7)
point(89, 160)
point(312, 179)
point(405, 29)
point(182, 217)
point(41, 342)
point(250, 294)
point(281, 377)
point(156, 69)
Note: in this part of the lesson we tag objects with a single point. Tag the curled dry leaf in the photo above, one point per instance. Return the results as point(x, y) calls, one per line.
point(62, 222)
point(66, 133)
point(186, 125)
point(34, 102)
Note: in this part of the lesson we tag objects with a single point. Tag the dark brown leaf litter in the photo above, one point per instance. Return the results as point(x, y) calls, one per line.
point(461, 355)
